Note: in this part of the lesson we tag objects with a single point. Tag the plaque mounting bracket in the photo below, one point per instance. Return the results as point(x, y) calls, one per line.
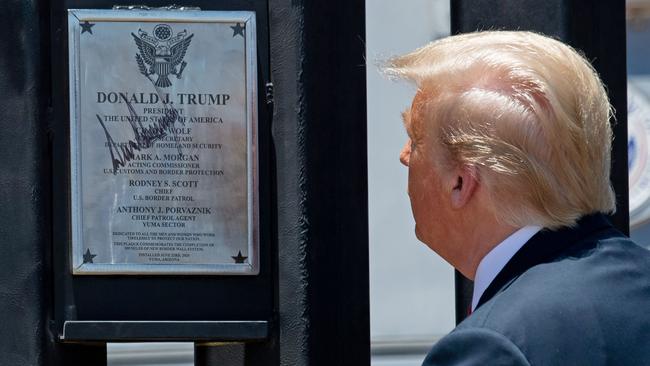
point(156, 331)
point(145, 7)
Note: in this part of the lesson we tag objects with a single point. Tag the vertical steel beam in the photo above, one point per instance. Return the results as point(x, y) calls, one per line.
point(319, 133)
point(24, 190)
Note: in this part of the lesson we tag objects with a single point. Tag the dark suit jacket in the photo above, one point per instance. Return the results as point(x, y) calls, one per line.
point(576, 296)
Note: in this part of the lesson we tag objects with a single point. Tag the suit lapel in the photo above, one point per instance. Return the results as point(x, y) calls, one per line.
point(544, 247)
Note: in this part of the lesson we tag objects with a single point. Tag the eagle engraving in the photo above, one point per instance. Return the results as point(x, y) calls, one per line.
point(163, 53)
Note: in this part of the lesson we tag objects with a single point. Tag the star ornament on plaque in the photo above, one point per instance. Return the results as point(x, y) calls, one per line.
point(163, 134)
point(87, 27)
point(88, 257)
point(238, 29)
point(239, 258)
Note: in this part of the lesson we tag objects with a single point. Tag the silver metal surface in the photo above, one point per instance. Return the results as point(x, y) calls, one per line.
point(163, 142)
point(150, 354)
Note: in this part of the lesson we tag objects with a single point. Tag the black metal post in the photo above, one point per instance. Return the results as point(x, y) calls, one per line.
point(319, 130)
point(24, 189)
point(595, 27)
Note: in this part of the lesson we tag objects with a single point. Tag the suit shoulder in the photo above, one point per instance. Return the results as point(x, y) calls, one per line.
point(579, 279)
point(475, 346)
point(565, 309)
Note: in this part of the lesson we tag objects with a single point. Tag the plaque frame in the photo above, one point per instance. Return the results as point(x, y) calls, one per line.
point(75, 18)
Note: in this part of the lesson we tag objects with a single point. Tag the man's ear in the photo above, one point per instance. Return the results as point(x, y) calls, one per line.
point(464, 187)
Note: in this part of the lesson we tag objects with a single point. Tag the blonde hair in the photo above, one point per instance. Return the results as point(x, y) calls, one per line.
point(528, 111)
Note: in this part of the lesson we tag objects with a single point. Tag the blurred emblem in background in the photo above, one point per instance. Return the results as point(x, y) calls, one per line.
point(638, 155)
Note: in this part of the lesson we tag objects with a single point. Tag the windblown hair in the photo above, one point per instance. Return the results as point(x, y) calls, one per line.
point(529, 112)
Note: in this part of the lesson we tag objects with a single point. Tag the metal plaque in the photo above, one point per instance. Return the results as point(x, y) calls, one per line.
point(163, 142)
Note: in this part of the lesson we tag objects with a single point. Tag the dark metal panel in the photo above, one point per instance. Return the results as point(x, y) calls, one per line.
point(148, 298)
point(597, 28)
point(548, 17)
point(24, 184)
point(152, 298)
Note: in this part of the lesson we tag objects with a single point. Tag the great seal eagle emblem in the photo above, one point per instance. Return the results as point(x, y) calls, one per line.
point(163, 53)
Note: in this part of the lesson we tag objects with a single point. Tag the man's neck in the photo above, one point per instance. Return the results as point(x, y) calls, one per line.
point(494, 261)
point(482, 239)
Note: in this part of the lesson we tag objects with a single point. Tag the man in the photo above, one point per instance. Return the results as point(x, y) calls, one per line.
point(509, 163)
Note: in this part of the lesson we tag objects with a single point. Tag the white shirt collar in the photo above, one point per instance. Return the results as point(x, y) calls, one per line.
point(497, 258)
